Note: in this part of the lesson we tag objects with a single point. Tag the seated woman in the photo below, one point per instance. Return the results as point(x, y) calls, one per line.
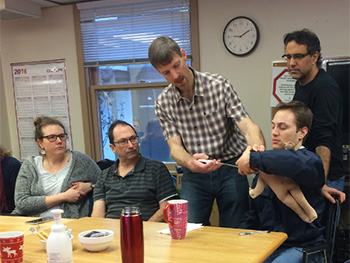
point(9, 168)
point(59, 178)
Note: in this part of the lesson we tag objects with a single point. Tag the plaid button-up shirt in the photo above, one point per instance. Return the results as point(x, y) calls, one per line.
point(208, 123)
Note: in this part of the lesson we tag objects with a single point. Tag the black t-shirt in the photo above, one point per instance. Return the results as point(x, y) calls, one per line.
point(324, 97)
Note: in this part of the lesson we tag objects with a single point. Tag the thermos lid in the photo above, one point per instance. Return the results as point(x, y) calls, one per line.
point(131, 211)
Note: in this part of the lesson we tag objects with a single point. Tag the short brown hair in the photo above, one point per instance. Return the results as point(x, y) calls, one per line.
point(162, 51)
point(303, 115)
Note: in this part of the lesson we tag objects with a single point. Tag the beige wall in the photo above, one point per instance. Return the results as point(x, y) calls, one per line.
point(251, 75)
point(48, 38)
point(52, 37)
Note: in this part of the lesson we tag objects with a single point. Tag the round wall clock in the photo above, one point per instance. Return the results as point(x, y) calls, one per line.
point(241, 36)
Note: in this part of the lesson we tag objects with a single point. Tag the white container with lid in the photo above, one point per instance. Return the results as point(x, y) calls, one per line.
point(59, 245)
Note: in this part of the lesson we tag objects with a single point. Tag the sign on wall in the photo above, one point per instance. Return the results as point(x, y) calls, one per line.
point(40, 89)
point(283, 86)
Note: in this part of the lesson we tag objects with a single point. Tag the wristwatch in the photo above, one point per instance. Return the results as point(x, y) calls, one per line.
point(92, 185)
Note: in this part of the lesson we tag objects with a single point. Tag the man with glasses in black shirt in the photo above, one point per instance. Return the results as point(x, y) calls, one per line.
point(320, 92)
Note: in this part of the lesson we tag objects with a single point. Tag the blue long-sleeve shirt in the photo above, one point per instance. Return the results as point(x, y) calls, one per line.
point(269, 213)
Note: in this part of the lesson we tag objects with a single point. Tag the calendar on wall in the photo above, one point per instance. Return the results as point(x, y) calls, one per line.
point(40, 89)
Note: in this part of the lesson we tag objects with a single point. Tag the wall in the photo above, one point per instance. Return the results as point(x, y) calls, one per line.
point(4, 130)
point(251, 75)
point(48, 38)
point(52, 37)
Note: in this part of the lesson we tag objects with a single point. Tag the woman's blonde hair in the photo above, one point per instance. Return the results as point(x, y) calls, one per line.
point(4, 152)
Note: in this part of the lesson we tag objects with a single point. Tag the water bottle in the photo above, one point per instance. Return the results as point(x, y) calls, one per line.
point(131, 235)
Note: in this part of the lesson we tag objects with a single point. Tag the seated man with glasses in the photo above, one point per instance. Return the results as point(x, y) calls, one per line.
point(133, 180)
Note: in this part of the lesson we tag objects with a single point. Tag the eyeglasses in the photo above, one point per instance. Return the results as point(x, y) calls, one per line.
point(53, 137)
point(297, 56)
point(123, 142)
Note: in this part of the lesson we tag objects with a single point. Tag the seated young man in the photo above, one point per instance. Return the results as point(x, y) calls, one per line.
point(290, 124)
point(133, 180)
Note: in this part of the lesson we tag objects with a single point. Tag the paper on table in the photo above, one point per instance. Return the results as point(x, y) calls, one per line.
point(190, 227)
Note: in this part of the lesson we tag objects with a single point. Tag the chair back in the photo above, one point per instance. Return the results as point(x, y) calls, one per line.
point(330, 220)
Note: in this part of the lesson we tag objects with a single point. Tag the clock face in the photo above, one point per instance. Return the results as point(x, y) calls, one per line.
point(241, 36)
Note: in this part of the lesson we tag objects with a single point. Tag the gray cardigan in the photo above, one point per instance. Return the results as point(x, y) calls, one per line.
point(29, 191)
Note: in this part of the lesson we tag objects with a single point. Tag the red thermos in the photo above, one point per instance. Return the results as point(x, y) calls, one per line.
point(131, 235)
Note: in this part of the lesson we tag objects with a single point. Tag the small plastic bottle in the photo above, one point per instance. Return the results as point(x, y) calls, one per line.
point(59, 245)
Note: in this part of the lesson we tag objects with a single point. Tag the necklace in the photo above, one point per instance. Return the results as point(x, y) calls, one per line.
point(53, 177)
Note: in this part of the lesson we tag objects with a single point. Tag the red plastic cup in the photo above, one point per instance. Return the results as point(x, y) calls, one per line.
point(176, 214)
point(131, 235)
point(11, 246)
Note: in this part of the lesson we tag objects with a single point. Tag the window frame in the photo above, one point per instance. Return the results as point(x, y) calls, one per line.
point(90, 108)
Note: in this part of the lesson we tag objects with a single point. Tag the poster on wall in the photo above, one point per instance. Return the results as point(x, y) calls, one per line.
point(40, 89)
point(282, 89)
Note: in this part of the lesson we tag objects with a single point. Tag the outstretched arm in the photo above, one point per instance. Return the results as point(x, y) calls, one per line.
point(183, 158)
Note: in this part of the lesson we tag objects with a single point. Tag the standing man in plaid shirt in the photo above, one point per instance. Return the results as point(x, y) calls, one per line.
point(202, 118)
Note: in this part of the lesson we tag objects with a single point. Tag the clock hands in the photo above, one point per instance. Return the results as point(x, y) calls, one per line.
point(243, 34)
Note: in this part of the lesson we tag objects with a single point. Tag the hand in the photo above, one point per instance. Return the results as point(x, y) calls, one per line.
point(73, 195)
point(244, 161)
point(199, 167)
point(85, 187)
point(327, 192)
point(258, 148)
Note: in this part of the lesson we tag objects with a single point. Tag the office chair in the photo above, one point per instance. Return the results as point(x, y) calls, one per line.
point(330, 221)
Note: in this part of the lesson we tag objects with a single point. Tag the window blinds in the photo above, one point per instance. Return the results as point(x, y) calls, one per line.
point(121, 34)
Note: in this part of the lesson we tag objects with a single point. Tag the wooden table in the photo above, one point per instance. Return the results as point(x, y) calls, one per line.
point(207, 244)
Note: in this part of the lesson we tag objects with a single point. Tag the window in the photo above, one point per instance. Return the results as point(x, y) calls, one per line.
point(121, 34)
point(123, 84)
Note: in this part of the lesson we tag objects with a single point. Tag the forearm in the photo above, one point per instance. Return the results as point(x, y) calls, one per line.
point(178, 152)
point(158, 215)
point(99, 209)
point(251, 132)
point(182, 157)
point(52, 200)
point(325, 154)
point(29, 205)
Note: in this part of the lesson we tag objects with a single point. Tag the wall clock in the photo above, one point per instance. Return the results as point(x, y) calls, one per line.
point(241, 36)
